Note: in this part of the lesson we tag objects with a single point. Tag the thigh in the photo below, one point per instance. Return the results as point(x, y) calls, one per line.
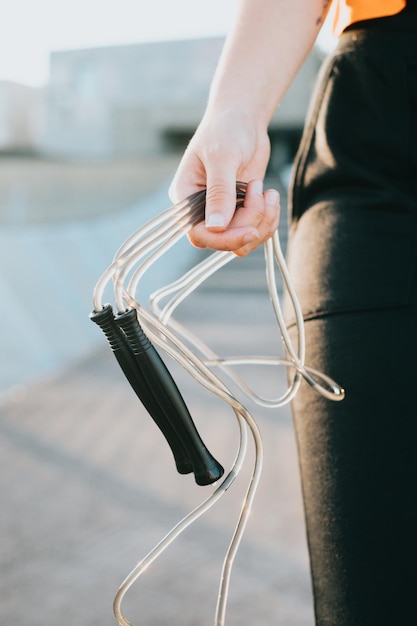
point(358, 461)
point(354, 270)
point(355, 273)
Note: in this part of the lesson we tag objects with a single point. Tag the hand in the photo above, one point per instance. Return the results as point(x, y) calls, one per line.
point(227, 147)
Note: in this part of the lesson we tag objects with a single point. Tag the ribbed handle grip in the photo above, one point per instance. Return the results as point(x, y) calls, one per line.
point(159, 380)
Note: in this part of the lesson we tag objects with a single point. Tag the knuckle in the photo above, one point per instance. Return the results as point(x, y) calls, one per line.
point(258, 214)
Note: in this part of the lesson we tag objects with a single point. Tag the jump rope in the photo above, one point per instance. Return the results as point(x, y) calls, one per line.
point(134, 330)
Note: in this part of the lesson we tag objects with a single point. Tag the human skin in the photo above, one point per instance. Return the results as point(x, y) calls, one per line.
point(262, 54)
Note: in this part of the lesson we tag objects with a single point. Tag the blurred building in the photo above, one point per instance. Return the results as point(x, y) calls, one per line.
point(131, 100)
point(142, 99)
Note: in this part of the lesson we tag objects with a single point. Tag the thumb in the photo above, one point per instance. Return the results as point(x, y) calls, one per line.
point(220, 200)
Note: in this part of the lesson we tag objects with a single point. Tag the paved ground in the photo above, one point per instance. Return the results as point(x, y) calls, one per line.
point(88, 484)
point(88, 487)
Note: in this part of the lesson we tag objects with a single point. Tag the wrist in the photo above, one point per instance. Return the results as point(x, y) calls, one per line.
point(235, 112)
point(249, 99)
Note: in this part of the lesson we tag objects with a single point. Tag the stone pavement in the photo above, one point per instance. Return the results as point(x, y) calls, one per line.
point(89, 487)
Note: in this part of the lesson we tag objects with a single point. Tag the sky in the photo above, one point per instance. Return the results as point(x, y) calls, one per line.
point(31, 29)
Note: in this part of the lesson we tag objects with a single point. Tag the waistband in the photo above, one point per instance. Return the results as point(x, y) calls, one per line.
point(392, 35)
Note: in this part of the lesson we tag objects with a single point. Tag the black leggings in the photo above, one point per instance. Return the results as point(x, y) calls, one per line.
point(352, 256)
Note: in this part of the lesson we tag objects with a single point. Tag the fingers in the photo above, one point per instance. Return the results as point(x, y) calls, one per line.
point(249, 227)
point(212, 165)
point(215, 164)
point(220, 196)
point(268, 223)
point(231, 239)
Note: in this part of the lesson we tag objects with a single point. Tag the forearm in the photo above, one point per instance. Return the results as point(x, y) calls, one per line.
point(263, 53)
point(261, 56)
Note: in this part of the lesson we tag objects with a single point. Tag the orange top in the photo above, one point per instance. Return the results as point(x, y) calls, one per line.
point(349, 11)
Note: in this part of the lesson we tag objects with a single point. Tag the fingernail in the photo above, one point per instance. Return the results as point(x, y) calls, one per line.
point(272, 197)
point(215, 219)
point(258, 187)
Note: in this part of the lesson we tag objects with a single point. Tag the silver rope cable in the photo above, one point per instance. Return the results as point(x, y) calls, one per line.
point(134, 258)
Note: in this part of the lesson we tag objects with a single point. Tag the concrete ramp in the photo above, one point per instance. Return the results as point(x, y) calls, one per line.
point(47, 275)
